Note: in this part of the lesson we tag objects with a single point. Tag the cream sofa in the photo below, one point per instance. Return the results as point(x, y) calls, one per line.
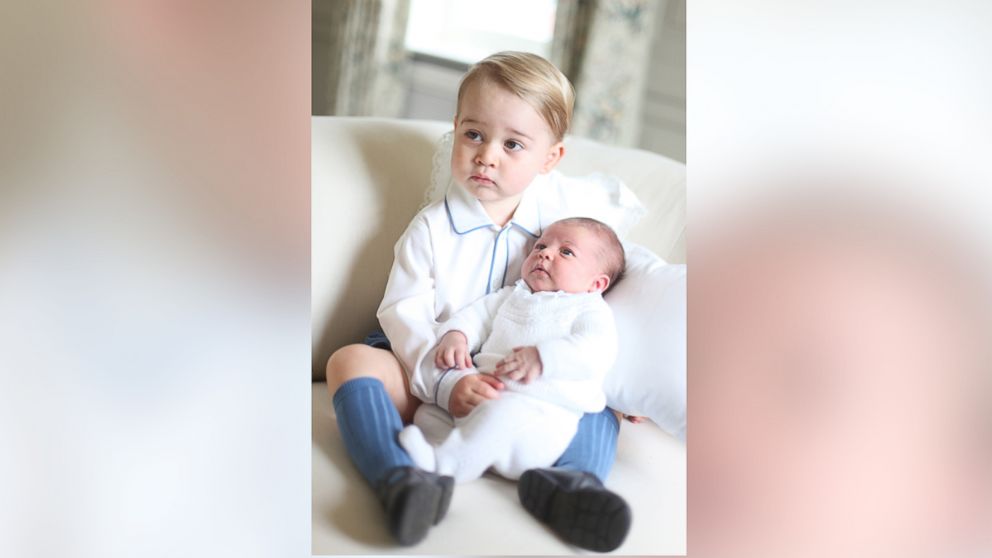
point(369, 177)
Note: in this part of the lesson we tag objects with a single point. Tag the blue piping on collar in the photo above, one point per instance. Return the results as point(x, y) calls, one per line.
point(525, 230)
point(492, 259)
point(451, 221)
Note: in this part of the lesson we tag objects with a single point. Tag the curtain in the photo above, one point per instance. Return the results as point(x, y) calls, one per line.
point(603, 47)
point(359, 64)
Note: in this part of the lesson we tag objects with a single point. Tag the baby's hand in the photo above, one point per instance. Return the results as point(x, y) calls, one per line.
point(472, 390)
point(452, 351)
point(522, 365)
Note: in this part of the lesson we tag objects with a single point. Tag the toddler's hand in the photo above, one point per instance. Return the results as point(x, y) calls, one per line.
point(522, 365)
point(452, 351)
point(470, 391)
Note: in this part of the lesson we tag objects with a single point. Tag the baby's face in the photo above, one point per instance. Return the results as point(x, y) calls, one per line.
point(566, 258)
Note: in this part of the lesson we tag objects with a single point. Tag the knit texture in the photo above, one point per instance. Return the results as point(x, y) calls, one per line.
point(574, 334)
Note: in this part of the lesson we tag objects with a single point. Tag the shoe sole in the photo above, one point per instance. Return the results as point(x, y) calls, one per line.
point(418, 507)
point(447, 486)
point(593, 519)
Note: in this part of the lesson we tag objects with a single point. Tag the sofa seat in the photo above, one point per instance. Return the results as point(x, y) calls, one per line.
point(486, 517)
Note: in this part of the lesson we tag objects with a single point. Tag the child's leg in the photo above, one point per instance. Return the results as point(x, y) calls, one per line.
point(594, 446)
point(546, 431)
point(484, 437)
point(570, 497)
point(365, 382)
point(478, 440)
point(370, 397)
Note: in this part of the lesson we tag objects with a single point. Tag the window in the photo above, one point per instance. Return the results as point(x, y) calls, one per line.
point(467, 31)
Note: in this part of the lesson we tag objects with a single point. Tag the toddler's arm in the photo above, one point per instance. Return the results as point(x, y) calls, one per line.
point(407, 312)
point(472, 390)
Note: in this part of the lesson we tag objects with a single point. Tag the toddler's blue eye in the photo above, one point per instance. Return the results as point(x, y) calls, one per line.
point(539, 247)
point(567, 252)
point(473, 135)
point(513, 145)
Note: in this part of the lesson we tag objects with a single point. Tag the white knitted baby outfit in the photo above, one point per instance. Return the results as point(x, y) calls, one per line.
point(529, 425)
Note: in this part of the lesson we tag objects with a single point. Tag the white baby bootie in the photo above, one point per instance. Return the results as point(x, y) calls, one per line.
point(422, 453)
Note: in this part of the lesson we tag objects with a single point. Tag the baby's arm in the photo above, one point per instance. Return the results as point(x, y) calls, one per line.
point(588, 351)
point(475, 321)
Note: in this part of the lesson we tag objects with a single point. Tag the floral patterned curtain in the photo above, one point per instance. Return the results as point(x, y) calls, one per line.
point(603, 48)
point(358, 58)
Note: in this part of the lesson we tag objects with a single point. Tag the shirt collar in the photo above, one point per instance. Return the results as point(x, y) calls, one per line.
point(466, 214)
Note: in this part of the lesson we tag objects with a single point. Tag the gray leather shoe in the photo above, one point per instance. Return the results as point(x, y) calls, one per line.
point(576, 506)
point(414, 500)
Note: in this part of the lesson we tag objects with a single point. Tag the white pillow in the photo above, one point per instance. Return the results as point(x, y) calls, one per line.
point(600, 196)
point(649, 306)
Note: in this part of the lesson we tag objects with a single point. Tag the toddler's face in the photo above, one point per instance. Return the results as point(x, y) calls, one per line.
point(566, 258)
point(501, 143)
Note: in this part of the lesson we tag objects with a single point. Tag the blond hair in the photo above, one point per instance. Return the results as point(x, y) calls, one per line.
point(532, 78)
point(612, 255)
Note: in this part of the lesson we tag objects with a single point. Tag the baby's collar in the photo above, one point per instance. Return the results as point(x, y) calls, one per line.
point(522, 285)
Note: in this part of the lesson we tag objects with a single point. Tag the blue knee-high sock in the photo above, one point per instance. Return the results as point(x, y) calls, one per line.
point(594, 446)
point(369, 424)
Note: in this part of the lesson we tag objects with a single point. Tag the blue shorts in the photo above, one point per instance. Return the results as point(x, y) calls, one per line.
point(378, 340)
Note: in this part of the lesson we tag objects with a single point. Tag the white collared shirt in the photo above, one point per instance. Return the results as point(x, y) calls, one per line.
point(452, 254)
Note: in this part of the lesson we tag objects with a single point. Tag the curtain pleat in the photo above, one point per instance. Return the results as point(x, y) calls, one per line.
point(360, 63)
point(603, 47)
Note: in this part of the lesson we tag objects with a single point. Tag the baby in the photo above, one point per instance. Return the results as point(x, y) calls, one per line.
point(550, 338)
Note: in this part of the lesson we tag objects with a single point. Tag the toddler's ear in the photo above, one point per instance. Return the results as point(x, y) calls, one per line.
point(555, 154)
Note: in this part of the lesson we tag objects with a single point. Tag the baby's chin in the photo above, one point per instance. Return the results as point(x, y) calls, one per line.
point(534, 288)
point(536, 285)
point(539, 283)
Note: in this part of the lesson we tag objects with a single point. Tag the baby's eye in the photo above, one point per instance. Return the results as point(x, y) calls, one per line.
point(513, 145)
point(473, 135)
point(567, 252)
point(539, 246)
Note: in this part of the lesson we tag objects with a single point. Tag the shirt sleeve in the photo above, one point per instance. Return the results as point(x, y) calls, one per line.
point(407, 312)
point(586, 353)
